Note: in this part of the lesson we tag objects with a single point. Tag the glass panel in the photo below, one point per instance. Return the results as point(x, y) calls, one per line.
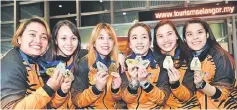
point(62, 7)
point(218, 31)
point(6, 2)
point(125, 17)
point(29, 10)
point(157, 3)
point(85, 34)
point(7, 31)
point(7, 13)
point(5, 47)
point(92, 20)
point(54, 21)
point(118, 5)
point(94, 6)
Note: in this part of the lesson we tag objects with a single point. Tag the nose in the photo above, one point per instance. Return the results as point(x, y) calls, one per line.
point(166, 39)
point(69, 42)
point(195, 36)
point(37, 39)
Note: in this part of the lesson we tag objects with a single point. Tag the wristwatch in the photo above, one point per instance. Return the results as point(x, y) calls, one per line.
point(133, 85)
point(201, 84)
point(144, 84)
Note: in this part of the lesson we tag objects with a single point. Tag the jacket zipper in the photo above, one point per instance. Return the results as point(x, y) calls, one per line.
point(139, 99)
point(205, 101)
point(104, 97)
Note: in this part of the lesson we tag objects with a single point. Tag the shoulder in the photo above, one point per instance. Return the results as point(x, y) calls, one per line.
point(12, 59)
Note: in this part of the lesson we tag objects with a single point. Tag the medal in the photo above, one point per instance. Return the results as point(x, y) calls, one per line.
point(195, 64)
point(101, 66)
point(112, 68)
point(135, 63)
point(168, 62)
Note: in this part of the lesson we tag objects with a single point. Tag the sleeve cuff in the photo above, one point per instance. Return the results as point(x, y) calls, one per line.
point(61, 93)
point(175, 85)
point(131, 90)
point(95, 90)
point(217, 94)
point(150, 87)
point(48, 90)
point(114, 91)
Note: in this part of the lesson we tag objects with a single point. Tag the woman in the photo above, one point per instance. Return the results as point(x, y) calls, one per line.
point(64, 48)
point(213, 67)
point(95, 86)
point(168, 44)
point(22, 85)
point(147, 88)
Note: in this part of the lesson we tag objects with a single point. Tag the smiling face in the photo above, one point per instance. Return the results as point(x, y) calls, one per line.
point(139, 41)
point(34, 39)
point(166, 38)
point(67, 42)
point(104, 43)
point(196, 36)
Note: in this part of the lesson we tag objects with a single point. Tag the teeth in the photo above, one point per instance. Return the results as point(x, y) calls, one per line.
point(194, 43)
point(105, 47)
point(35, 47)
point(140, 47)
point(167, 45)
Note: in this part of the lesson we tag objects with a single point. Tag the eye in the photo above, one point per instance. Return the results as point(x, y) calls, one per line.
point(110, 38)
point(144, 37)
point(170, 33)
point(200, 32)
point(101, 37)
point(159, 36)
point(44, 37)
point(134, 37)
point(32, 35)
point(74, 38)
point(189, 34)
point(63, 38)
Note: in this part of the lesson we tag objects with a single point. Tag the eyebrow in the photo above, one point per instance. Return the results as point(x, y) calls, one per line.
point(33, 31)
point(200, 29)
point(36, 32)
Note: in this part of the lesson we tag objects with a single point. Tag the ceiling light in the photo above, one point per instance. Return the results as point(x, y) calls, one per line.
point(124, 13)
point(60, 6)
point(101, 0)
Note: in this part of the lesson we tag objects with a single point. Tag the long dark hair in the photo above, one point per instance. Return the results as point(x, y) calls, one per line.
point(210, 40)
point(184, 50)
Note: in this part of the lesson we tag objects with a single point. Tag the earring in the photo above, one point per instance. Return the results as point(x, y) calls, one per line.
point(207, 35)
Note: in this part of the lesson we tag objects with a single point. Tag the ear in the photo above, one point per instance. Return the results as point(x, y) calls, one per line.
point(19, 40)
point(207, 35)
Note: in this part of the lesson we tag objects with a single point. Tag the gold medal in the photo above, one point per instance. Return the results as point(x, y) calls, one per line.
point(195, 64)
point(168, 62)
point(112, 68)
point(50, 71)
point(68, 74)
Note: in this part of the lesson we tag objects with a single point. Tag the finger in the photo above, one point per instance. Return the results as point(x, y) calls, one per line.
point(56, 74)
point(172, 72)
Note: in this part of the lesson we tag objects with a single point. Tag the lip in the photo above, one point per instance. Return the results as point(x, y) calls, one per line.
point(35, 46)
point(105, 47)
point(166, 45)
point(68, 48)
point(139, 47)
point(196, 42)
